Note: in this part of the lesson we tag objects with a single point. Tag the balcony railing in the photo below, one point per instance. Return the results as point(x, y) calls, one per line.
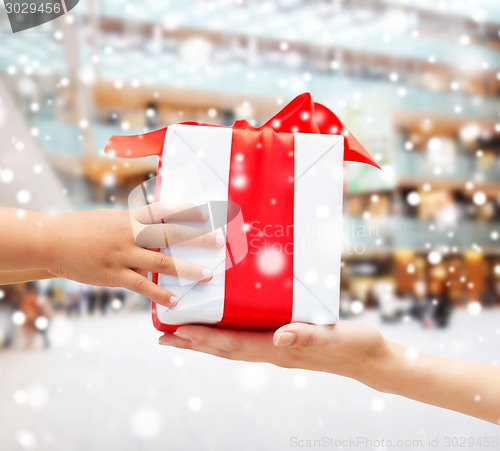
point(390, 233)
point(236, 76)
point(463, 167)
point(65, 138)
point(339, 30)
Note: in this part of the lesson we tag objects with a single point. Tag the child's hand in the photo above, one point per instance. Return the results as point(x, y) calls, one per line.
point(99, 248)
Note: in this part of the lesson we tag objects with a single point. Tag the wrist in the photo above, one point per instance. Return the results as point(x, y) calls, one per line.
point(47, 239)
point(380, 368)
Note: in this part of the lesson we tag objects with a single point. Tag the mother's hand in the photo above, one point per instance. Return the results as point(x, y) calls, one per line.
point(346, 348)
point(358, 351)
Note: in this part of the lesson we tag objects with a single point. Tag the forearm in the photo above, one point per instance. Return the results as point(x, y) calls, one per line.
point(466, 387)
point(25, 239)
point(9, 277)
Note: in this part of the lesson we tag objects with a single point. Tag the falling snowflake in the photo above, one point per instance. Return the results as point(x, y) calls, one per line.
point(299, 381)
point(195, 404)
point(413, 198)
point(253, 378)
point(26, 439)
point(434, 257)
point(271, 261)
point(474, 308)
point(411, 354)
point(146, 422)
point(378, 405)
point(357, 307)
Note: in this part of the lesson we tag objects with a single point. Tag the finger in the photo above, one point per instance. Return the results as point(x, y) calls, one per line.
point(156, 212)
point(164, 235)
point(140, 284)
point(169, 339)
point(172, 340)
point(301, 335)
point(165, 264)
point(230, 340)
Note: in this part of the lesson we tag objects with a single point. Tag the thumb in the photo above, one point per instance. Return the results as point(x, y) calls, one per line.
point(301, 335)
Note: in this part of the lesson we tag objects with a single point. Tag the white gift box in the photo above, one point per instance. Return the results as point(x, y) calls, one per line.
point(195, 170)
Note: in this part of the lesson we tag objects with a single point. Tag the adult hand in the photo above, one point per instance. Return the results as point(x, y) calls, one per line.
point(346, 348)
point(357, 351)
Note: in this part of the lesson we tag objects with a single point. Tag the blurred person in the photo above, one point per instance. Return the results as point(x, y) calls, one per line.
point(496, 290)
point(345, 303)
point(419, 305)
point(92, 301)
point(446, 211)
point(75, 303)
point(29, 308)
point(391, 307)
point(357, 351)
point(37, 313)
point(371, 298)
point(104, 301)
point(151, 113)
point(99, 247)
point(487, 297)
point(8, 306)
point(122, 296)
point(440, 311)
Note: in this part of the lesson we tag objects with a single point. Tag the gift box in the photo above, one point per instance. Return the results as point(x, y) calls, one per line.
point(275, 194)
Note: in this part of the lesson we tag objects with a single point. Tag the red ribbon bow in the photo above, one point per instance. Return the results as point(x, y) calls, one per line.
point(301, 115)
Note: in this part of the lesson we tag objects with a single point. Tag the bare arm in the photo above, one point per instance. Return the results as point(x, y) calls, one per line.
point(466, 387)
point(99, 247)
point(25, 238)
point(10, 277)
point(360, 352)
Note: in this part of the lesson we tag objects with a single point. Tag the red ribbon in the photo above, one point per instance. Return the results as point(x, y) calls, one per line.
point(302, 115)
point(259, 289)
point(258, 294)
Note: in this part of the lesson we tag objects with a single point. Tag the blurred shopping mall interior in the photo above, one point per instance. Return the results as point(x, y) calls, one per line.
point(418, 83)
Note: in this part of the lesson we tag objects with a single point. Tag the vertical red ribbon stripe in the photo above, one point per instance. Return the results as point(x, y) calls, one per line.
point(259, 289)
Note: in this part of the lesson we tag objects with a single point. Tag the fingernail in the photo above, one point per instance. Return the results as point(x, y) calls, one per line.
point(163, 340)
point(219, 239)
point(285, 339)
point(205, 214)
point(174, 300)
point(206, 273)
point(182, 335)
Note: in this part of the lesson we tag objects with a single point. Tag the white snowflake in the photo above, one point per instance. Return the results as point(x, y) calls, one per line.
point(146, 422)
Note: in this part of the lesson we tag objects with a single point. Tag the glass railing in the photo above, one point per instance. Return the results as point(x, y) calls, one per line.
point(464, 167)
point(64, 138)
point(413, 233)
point(304, 25)
point(32, 53)
point(488, 10)
point(391, 233)
point(57, 137)
point(167, 69)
